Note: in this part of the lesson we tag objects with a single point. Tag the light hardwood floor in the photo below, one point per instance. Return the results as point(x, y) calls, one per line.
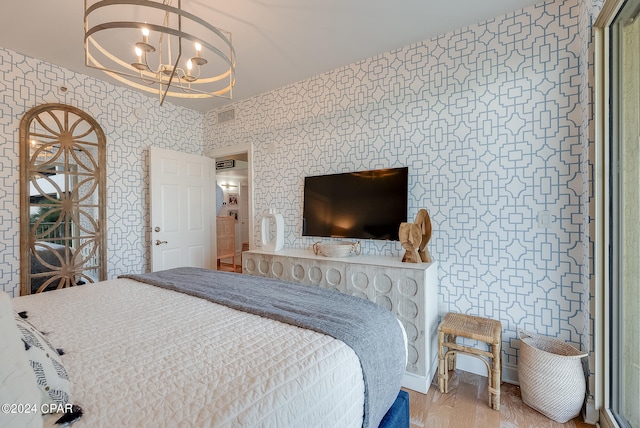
point(466, 405)
point(228, 267)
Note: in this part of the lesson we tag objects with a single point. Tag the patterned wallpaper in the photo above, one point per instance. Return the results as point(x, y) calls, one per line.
point(488, 119)
point(26, 82)
point(493, 121)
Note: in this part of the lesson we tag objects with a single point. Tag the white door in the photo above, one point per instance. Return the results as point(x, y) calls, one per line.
point(181, 201)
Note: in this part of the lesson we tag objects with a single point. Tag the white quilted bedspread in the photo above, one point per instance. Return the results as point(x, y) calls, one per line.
point(141, 356)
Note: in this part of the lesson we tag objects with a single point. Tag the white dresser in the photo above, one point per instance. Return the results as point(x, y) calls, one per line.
point(409, 290)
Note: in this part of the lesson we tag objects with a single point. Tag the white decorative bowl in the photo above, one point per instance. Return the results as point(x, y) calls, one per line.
point(337, 249)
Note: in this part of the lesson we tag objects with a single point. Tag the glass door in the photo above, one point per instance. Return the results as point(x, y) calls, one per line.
point(625, 214)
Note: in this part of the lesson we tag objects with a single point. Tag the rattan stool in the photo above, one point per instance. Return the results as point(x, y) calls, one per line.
point(477, 328)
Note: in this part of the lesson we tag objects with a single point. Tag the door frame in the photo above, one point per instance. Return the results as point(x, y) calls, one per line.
point(228, 151)
point(599, 410)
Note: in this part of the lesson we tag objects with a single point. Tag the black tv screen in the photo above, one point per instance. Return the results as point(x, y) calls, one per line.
point(365, 204)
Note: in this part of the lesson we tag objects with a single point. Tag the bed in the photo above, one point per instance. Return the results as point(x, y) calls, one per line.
point(196, 348)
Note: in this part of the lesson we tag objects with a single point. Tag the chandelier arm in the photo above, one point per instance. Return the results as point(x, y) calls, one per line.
point(195, 93)
point(184, 80)
point(148, 81)
point(160, 29)
point(163, 94)
point(94, 63)
point(164, 7)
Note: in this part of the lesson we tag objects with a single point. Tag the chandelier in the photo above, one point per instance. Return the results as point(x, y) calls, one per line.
point(159, 48)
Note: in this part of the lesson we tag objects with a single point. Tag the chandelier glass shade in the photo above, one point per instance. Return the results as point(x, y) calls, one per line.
point(158, 47)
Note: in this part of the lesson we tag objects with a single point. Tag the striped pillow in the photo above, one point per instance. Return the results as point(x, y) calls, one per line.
point(17, 383)
point(45, 361)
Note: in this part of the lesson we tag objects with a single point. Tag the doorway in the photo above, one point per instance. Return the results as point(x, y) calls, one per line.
point(233, 181)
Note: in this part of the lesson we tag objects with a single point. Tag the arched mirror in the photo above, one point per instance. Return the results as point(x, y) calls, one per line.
point(62, 185)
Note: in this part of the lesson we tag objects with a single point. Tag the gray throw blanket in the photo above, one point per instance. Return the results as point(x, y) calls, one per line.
point(370, 330)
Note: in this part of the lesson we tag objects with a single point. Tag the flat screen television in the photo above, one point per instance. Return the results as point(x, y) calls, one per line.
point(364, 204)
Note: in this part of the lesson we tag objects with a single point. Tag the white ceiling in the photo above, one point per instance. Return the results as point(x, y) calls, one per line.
point(277, 42)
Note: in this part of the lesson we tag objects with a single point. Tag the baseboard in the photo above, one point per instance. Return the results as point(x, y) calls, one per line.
point(419, 383)
point(415, 382)
point(463, 362)
point(590, 414)
point(474, 365)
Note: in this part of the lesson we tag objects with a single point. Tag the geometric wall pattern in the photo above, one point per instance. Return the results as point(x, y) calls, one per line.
point(488, 120)
point(492, 120)
point(26, 82)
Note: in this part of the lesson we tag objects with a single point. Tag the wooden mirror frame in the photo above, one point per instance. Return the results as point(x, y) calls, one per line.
point(65, 139)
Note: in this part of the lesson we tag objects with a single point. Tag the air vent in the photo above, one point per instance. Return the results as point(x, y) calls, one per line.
point(225, 164)
point(226, 116)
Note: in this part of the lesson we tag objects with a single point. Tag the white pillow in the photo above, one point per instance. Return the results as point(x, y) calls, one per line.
point(17, 382)
point(45, 361)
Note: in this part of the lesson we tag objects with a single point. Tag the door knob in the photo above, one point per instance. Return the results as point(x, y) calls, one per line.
point(159, 242)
